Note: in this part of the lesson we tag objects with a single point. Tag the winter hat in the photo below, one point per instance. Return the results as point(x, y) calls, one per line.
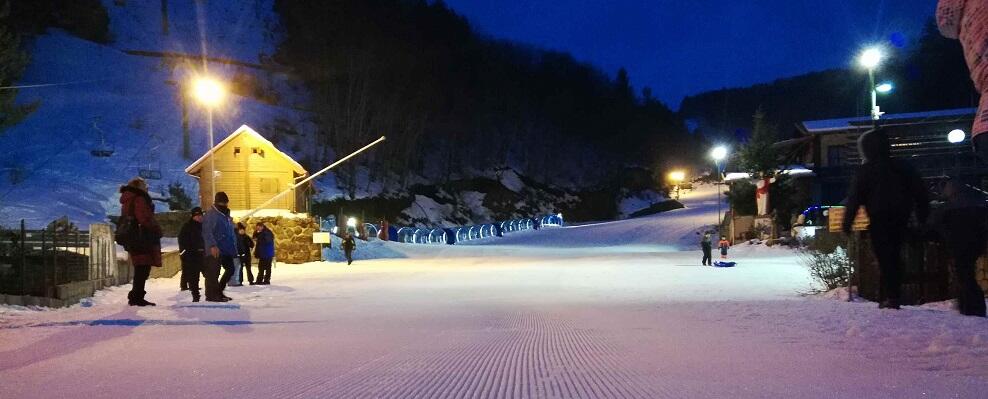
point(138, 183)
point(197, 211)
point(221, 198)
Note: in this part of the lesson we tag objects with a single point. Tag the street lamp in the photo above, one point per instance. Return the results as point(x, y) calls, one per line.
point(719, 153)
point(885, 88)
point(956, 136)
point(210, 93)
point(870, 59)
point(677, 178)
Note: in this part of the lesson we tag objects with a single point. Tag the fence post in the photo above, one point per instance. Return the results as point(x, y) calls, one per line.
point(23, 290)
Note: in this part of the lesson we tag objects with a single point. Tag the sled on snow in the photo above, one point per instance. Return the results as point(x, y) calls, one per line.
point(724, 264)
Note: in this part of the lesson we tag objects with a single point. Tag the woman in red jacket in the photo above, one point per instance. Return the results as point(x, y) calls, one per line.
point(145, 251)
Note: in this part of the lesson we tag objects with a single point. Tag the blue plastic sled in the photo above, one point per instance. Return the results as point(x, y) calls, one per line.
point(724, 264)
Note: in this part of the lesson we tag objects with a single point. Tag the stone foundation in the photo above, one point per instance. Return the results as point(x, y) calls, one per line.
point(292, 237)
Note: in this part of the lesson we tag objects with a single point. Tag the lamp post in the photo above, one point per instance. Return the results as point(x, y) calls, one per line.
point(871, 59)
point(956, 136)
point(677, 178)
point(209, 93)
point(719, 154)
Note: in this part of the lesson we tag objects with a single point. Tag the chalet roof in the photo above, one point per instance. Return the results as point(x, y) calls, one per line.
point(244, 130)
point(864, 122)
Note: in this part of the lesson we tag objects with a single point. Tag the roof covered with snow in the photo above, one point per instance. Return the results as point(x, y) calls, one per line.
point(244, 129)
point(863, 122)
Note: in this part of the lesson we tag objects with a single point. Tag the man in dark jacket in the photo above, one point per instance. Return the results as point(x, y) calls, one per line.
point(890, 190)
point(145, 250)
point(348, 245)
point(264, 251)
point(707, 247)
point(962, 222)
point(192, 251)
point(244, 247)
point(221, 246)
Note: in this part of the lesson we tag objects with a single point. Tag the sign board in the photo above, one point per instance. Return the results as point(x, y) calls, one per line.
point(835, 219)
point(320, 237)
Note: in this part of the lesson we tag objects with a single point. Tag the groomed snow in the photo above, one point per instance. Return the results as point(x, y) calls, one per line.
point(559, 313)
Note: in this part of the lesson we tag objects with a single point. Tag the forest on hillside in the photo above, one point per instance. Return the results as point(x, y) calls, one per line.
point(928, 75)
point(453, 102)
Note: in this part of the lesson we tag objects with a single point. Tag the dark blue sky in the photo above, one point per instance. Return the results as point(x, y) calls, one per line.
point(683, 47)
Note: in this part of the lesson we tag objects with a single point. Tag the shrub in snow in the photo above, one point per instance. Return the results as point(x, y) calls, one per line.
point(830, 270)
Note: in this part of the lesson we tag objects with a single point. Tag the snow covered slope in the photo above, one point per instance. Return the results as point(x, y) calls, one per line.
point(133, 102)
point(672, 230)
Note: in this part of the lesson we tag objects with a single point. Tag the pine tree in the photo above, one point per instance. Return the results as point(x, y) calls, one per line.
point(13, 60)
point(759, 158)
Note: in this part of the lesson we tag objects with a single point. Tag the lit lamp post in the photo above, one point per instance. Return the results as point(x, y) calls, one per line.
point(871, 59)
point(210, 93)
point(677, 178)
point(719, 154)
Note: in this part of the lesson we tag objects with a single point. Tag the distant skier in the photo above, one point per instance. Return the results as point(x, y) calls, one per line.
point(349, 244)
point(192, 252)
point(724, 245)
point(707, 246)
point(962, 222)
point(264, 252)
point(244, 247)
point(890, 190)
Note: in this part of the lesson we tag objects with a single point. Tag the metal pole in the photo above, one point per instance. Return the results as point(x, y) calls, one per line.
point(874, 96)
point(313, 176)
point(212, 158)
point(720, 178)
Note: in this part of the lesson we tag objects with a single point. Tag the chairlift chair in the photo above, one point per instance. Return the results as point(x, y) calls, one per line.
point(102, 150)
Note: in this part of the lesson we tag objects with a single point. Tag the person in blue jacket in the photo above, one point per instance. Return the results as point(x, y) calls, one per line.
point(221, 247)
point(264, 252)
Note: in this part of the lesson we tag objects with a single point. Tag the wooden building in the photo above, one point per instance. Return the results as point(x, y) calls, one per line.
point(251, 171)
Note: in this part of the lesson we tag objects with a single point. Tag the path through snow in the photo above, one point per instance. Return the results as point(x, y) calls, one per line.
point(556, 314)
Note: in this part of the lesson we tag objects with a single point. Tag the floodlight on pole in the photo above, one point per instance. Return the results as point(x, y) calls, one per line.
point(719, 153)
point(677, 176)
point(871, 58)
point(956, 136)
point(209, 93)
point(885, 87)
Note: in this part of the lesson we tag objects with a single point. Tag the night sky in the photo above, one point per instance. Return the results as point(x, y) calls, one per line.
point(683, 47)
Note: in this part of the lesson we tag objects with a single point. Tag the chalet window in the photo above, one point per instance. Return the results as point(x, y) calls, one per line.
point(236, 151)
point(258, 151)
point(269, 186)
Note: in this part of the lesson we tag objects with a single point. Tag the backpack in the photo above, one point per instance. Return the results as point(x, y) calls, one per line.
point(130, 234)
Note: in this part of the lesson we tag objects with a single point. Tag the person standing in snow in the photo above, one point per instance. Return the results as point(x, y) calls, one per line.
point(724, 245)
point(962, 222)
point(145, 250)
point(192, 252)
point(244, 247)
point(890, 190)
point(706, 245)
point(221, 245)
point(264, 252)
point(349, 244)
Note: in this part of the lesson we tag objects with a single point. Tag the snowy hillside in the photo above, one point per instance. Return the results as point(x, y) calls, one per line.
point(102, 97)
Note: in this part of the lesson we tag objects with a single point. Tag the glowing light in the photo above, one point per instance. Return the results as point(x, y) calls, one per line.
point(208, 92)
point(351, 222)
point(871, 58)
point(677, 176)
point(886, 87)
point(719, 153)
point(956, 136)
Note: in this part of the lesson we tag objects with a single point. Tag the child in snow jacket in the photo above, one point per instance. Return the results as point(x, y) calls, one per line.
point(723, 245)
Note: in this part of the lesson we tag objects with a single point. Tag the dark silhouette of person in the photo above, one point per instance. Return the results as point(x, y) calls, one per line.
point(962, 225)
point(890, 190)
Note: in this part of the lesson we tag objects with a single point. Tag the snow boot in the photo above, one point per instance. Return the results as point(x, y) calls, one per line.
point(195, 295)
point(137, 299)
